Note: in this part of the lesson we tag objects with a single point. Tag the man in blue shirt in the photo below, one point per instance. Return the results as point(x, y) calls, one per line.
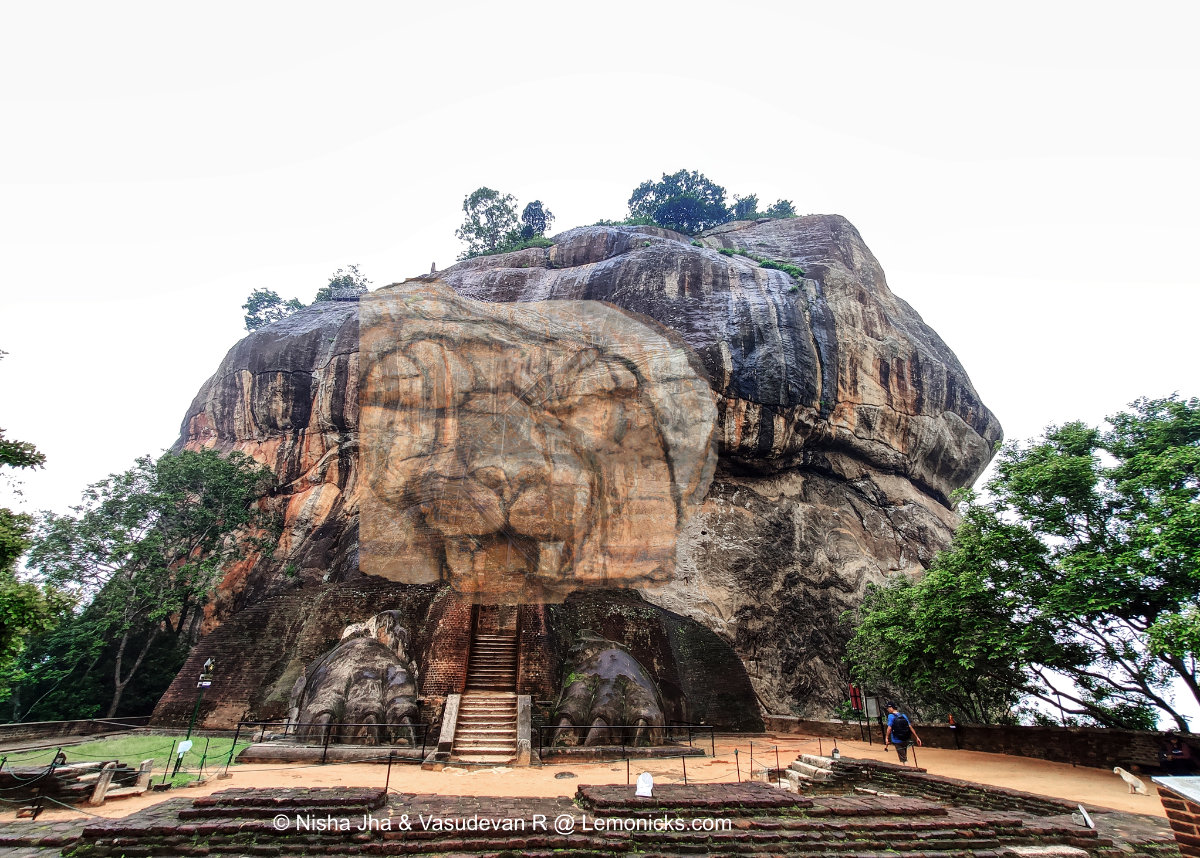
point(900, 732)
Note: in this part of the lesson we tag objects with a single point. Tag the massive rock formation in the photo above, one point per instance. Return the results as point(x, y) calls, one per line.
point(523, 451)
point(843, 423)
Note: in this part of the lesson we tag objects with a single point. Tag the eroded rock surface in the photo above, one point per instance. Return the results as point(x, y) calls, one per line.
point(521, 451)
point(843, 424)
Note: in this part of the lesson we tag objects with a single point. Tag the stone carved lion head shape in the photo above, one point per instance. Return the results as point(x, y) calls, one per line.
point(522, 451)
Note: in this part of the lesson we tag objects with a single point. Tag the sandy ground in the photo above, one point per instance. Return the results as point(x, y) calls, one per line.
point(1098, 787)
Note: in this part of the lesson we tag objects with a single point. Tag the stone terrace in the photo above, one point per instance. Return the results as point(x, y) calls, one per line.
point(753, 818)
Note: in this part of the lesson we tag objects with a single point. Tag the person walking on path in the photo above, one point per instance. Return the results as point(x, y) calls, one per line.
point(900, 732)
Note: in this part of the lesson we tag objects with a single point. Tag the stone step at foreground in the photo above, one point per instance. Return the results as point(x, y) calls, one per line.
point(761, 820)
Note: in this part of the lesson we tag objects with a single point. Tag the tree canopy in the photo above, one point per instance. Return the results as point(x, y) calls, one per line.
point(25, 606)
point(345, 284)
point(143, 550)
point(684, 201)
point(1081, 561)
point(489, 221)
point(264, 306)
point(689, 202)
point(535, 220)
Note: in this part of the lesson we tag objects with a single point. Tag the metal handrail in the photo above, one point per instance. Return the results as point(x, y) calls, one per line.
point(333, 728)
point(624, 731)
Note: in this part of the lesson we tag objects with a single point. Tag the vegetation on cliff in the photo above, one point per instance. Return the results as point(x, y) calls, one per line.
point(264, 306)
point(690, 202)
point(490, 224)
point(1081, 561)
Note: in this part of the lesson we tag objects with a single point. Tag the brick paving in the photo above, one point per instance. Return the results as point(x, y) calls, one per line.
point(716, 819)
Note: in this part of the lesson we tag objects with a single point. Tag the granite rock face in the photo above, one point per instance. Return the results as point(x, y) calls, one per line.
point(843, 423)
point(522, 451)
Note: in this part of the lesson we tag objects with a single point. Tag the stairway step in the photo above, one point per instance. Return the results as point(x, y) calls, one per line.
point(498, 706)
point(475, 757)
point(485, 708)
point(812, 772)
point(495, 748)
point(816, 760)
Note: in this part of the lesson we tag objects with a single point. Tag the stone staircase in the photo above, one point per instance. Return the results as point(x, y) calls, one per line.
point(493, 664)
point(487, 716)
point(487, 728)
point(810, 773)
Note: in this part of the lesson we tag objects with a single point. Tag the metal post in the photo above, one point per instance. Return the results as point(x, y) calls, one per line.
point(712, 734)
point(820, 753)
point(203, 757)
point(387, 783)
point(751, 760)
point(738, 763)
point(167, 768)
point(325, 749)
point(195, 712)
point(684, 758)
point(778, 769)
point(627, 771)
point(233, 747)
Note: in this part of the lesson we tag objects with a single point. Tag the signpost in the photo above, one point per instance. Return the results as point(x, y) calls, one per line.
point(206, 675)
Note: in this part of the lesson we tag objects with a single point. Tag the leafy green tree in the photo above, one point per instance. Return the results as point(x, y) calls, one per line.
point(264, 306)
point(145, 547)
point(535, 220)
point(684, 201)
point(745, 208)
point(489, 222)
point(345, 284)
point(1089, 546)
point(25, 607)
point(952, 641)
point(781, 209)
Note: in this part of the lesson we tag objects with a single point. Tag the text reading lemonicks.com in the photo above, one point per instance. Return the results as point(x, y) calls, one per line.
point(564, 823)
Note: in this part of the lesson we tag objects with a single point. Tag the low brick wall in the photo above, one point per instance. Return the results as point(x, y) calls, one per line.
point(1184, 816)
point(918, 782)
point(28, 731)
point(1136, 750)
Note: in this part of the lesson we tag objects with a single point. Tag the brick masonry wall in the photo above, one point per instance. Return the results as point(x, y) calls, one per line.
point(1136, 750)
point(1184, 816)
point(916, 782)
point(538, 664)
point(445, 645)
point(24, 731)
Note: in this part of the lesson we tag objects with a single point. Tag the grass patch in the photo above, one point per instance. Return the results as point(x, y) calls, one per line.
point(512, 247)
point(131, 750)
point(793, 271)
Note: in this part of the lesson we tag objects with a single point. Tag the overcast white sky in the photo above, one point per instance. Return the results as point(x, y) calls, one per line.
point(1028, 175)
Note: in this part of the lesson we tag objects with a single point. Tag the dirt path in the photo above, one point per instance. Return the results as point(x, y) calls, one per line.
point(1091, 786)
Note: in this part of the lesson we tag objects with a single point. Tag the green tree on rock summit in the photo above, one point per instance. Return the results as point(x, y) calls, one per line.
point(264, 306)
point(687, 202)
